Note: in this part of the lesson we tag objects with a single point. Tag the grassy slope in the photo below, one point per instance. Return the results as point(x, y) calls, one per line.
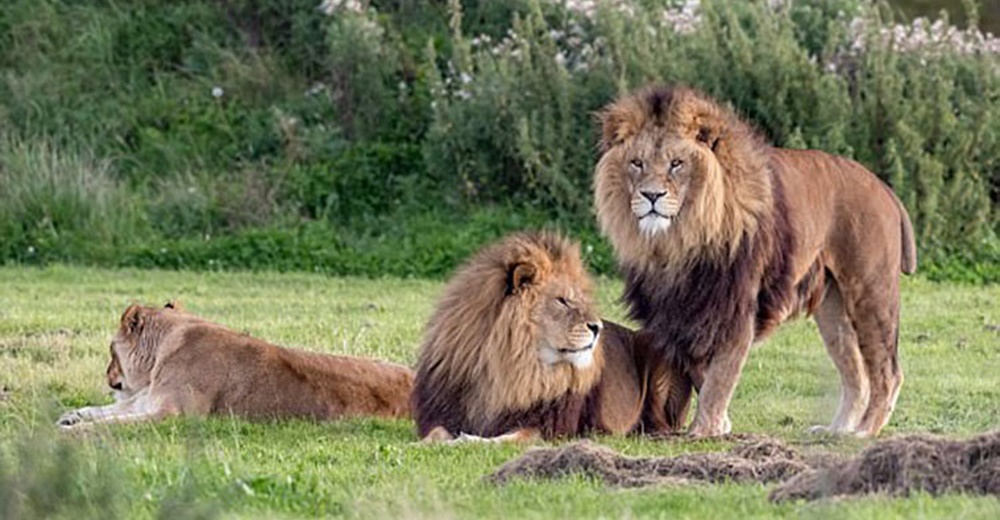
point(55, 325)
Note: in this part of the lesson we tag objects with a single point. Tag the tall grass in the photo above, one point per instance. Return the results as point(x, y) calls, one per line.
point(55, 198)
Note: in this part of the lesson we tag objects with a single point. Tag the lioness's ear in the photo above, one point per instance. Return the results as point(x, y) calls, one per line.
point(132, 319)
point(519, 276)
point(175, 305)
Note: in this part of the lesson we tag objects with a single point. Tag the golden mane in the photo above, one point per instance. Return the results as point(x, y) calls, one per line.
point(479, 354)
point(731, 190)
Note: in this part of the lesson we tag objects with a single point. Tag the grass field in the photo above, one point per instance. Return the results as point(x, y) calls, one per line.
point(55, 325)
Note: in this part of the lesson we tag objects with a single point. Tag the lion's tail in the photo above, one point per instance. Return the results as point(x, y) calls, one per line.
point(908, 262)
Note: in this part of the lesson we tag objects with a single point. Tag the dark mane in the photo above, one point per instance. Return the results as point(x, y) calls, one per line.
point(695, 311)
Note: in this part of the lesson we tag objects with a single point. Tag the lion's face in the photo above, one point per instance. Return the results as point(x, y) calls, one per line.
point(658, 171)
point(654, 174)
point(567, 325)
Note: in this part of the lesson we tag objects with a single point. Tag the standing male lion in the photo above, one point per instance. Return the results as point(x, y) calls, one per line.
point(722, 237)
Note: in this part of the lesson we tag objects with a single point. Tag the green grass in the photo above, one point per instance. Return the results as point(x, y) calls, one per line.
point(55, 325)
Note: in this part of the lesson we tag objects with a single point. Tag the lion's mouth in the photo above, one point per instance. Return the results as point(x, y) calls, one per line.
point(577, 349)
point(654, 222)
point(580, 357)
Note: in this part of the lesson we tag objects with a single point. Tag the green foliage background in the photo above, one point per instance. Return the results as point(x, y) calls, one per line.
point(398, 139)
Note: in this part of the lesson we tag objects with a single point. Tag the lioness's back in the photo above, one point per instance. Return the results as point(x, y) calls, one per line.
point(233, 373)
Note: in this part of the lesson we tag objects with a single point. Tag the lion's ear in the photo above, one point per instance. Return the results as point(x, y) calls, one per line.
point(619, 121)
point(519, 276)
point(133, 319)
point(174, 304)
point(708, 136)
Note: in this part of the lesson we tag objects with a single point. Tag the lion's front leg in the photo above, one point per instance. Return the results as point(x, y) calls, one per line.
point(439, 434)
point(519, 435)
point(717, 383)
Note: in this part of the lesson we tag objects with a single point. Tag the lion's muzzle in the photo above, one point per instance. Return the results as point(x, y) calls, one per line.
point(580, 352)
point(654, 209)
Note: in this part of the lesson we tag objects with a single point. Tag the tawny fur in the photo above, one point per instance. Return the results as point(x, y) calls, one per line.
point(480, 371)
point(751, 235)
point(168, 362)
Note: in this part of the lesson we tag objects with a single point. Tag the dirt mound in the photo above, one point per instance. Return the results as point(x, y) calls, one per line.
point(759, 460)
point(899, 466)
point(894, 467)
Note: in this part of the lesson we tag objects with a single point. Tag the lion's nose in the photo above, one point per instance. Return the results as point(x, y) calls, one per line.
point(595, 327)
point(653, 195)
point(117, 386)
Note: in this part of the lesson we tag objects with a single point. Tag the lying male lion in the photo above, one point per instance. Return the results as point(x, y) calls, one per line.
point(515, 351)
point(166, 362)
point(722, 237)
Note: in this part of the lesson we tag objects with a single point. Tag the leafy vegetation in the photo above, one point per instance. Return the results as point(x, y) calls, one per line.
point(363, 137)
point(53, 355)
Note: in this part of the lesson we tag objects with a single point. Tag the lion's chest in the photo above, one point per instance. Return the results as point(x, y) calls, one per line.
point(710, 306)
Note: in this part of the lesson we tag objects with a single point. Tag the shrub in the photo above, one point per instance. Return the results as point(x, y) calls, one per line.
point(54, 201)
point(245, 130)
point(916, 104)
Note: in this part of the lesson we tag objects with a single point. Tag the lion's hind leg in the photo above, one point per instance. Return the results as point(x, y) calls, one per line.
point(841, 340)
point(877, 325)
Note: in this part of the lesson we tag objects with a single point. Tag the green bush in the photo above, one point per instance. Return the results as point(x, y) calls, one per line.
point(54, 202)
point(395, 137)
point(512, 118)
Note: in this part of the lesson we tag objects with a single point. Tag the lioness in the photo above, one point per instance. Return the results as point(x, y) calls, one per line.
point(722, 237)
point(167, 362)
point(516, 351)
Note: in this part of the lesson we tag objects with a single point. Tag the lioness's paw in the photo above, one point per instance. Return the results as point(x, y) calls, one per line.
point(69, 419)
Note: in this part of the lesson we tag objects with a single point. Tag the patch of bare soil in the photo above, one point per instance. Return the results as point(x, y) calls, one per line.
point(900, 466)
point(758, 460)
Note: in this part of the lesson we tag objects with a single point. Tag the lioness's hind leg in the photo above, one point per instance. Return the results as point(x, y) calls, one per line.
point(841, 340)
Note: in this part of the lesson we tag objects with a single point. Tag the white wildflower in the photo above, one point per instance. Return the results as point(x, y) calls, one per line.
point(329, 7)
point(217, 92)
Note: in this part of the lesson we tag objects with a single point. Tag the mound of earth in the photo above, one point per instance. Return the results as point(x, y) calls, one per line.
point(899, 466)
point(750, 461)
point(894, 467)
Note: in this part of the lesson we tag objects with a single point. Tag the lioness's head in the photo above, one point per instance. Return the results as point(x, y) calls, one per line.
point(133, 348)
point(516, 325)
point(678, 174)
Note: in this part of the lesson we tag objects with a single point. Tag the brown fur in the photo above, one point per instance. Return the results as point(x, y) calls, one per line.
point(481, 371)
point(722, 237)
point(167, 362)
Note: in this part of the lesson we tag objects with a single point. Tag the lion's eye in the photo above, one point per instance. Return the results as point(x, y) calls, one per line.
point(636, 163)
point(562, 301)
point(674, 164)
